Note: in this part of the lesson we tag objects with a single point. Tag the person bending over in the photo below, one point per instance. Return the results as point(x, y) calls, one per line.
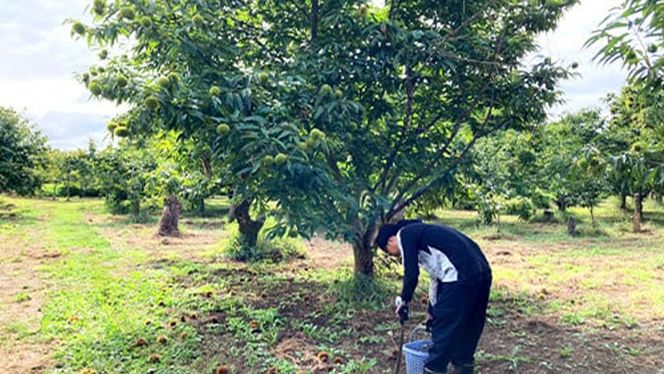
point(458, 292)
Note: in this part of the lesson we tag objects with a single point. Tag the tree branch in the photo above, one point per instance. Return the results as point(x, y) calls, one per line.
point(332, 164)
point(299, 5)
point(396, 206)
point(394, 8)
point(399, 206)
point(382, 180)
point(314, 19)
point(410, 99)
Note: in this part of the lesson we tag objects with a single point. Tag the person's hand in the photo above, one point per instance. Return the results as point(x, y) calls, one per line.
point(402, 313)
point(428, 322)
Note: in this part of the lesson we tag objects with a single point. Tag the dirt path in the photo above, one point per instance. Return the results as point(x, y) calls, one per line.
point(21, 296)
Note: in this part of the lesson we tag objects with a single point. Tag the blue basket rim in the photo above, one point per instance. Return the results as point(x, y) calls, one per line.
point(411, 348)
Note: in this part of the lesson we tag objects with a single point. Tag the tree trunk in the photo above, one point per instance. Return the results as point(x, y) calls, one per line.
point(571, 226)
point(136, 208)
point(592, 216)
point(68, 188)
point(362, 247)
point(248, 227)
point(207, 166)
point(363, 257)
point(168, 225)
point(201, 207)
point(314, 19)
point(498, 223)
point(623, 202)
point(548, 216)
point(638, 209)
point(561, 203)
point(400, 215)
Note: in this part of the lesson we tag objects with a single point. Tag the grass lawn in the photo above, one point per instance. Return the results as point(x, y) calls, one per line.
point(87, 292)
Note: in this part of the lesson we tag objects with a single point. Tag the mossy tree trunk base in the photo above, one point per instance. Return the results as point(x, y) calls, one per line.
point(168, 225)
point(248, 227)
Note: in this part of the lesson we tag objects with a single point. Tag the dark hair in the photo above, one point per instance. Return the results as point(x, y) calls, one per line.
point(390, 229)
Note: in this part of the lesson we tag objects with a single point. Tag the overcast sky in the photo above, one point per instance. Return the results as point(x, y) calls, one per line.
point(38, 61)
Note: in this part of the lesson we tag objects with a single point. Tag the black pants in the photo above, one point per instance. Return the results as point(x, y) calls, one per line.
point(458, 321)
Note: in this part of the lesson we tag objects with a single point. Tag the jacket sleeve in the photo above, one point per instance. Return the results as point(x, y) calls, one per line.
point(408, 246)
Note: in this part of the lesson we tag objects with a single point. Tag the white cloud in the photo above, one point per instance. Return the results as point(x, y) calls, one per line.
point(37, 71)
point(61, 108)
point(41, 96)
point(565, 45)
point(74, 130)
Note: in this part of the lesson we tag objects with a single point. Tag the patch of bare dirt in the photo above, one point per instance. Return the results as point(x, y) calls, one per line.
point(21, 297)
point(195, 240)
point(500, 236)
point(324, 254)
point(534, 345)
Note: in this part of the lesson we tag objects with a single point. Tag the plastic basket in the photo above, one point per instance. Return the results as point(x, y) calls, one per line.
point(417, 352)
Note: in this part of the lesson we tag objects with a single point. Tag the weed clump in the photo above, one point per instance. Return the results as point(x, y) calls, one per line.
point(266, 250)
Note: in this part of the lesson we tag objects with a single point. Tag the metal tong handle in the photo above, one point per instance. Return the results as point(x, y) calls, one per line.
point(418, 329)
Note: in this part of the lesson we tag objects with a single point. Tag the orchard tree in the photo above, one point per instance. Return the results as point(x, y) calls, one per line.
point(89, 181)
point(202, 174)
point(587, 177)
point(634, 35)
point(564, 161)
point(503, 175)
point(431, 79)
point(164, 182)
point(561, 144)
point(52, 172)
point(635, 140)
point(342, 113)
point(70, 172)
point(195, 68)
point(22, 153)
point(183, 171)
point(124, 171)
point(73, 172)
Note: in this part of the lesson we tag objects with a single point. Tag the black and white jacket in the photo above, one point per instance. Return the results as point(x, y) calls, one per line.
point(445, 253)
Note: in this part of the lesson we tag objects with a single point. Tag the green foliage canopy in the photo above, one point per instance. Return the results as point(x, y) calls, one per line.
point(22, 153)
point(342, 113)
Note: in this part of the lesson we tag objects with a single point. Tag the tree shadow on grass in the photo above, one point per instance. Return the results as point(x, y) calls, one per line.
point(10, 214)
point(318, 312)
